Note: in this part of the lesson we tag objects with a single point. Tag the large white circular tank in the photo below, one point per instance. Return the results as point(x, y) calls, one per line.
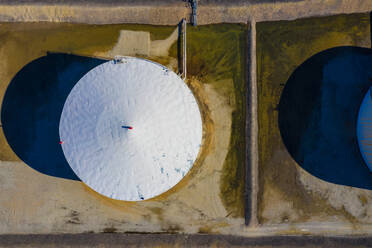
point(142, 162)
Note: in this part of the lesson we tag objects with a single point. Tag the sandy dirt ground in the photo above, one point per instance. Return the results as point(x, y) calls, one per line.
point(138, 43)
point(130, 43)
point(161, 47)
point(170, 13)
point(142, 2)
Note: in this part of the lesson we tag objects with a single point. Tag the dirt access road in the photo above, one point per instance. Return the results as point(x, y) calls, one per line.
point(170, 12)
point(175, 240)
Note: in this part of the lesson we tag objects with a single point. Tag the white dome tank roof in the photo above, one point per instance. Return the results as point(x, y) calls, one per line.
point(131, 164)
point(364, 129)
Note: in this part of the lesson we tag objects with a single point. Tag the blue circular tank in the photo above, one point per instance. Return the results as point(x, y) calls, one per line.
point(364, 129)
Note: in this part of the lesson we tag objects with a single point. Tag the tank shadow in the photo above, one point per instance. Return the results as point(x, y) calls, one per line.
point(318, 113)
point(32, 107)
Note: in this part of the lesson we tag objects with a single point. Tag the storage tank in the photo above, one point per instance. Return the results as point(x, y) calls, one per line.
point(364, 129)
point(131, 129)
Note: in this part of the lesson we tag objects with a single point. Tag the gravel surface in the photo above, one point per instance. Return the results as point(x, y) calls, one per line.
point(171, 240)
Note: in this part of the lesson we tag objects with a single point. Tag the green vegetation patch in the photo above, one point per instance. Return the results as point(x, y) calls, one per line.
point(216, 56)
point(281, 47)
